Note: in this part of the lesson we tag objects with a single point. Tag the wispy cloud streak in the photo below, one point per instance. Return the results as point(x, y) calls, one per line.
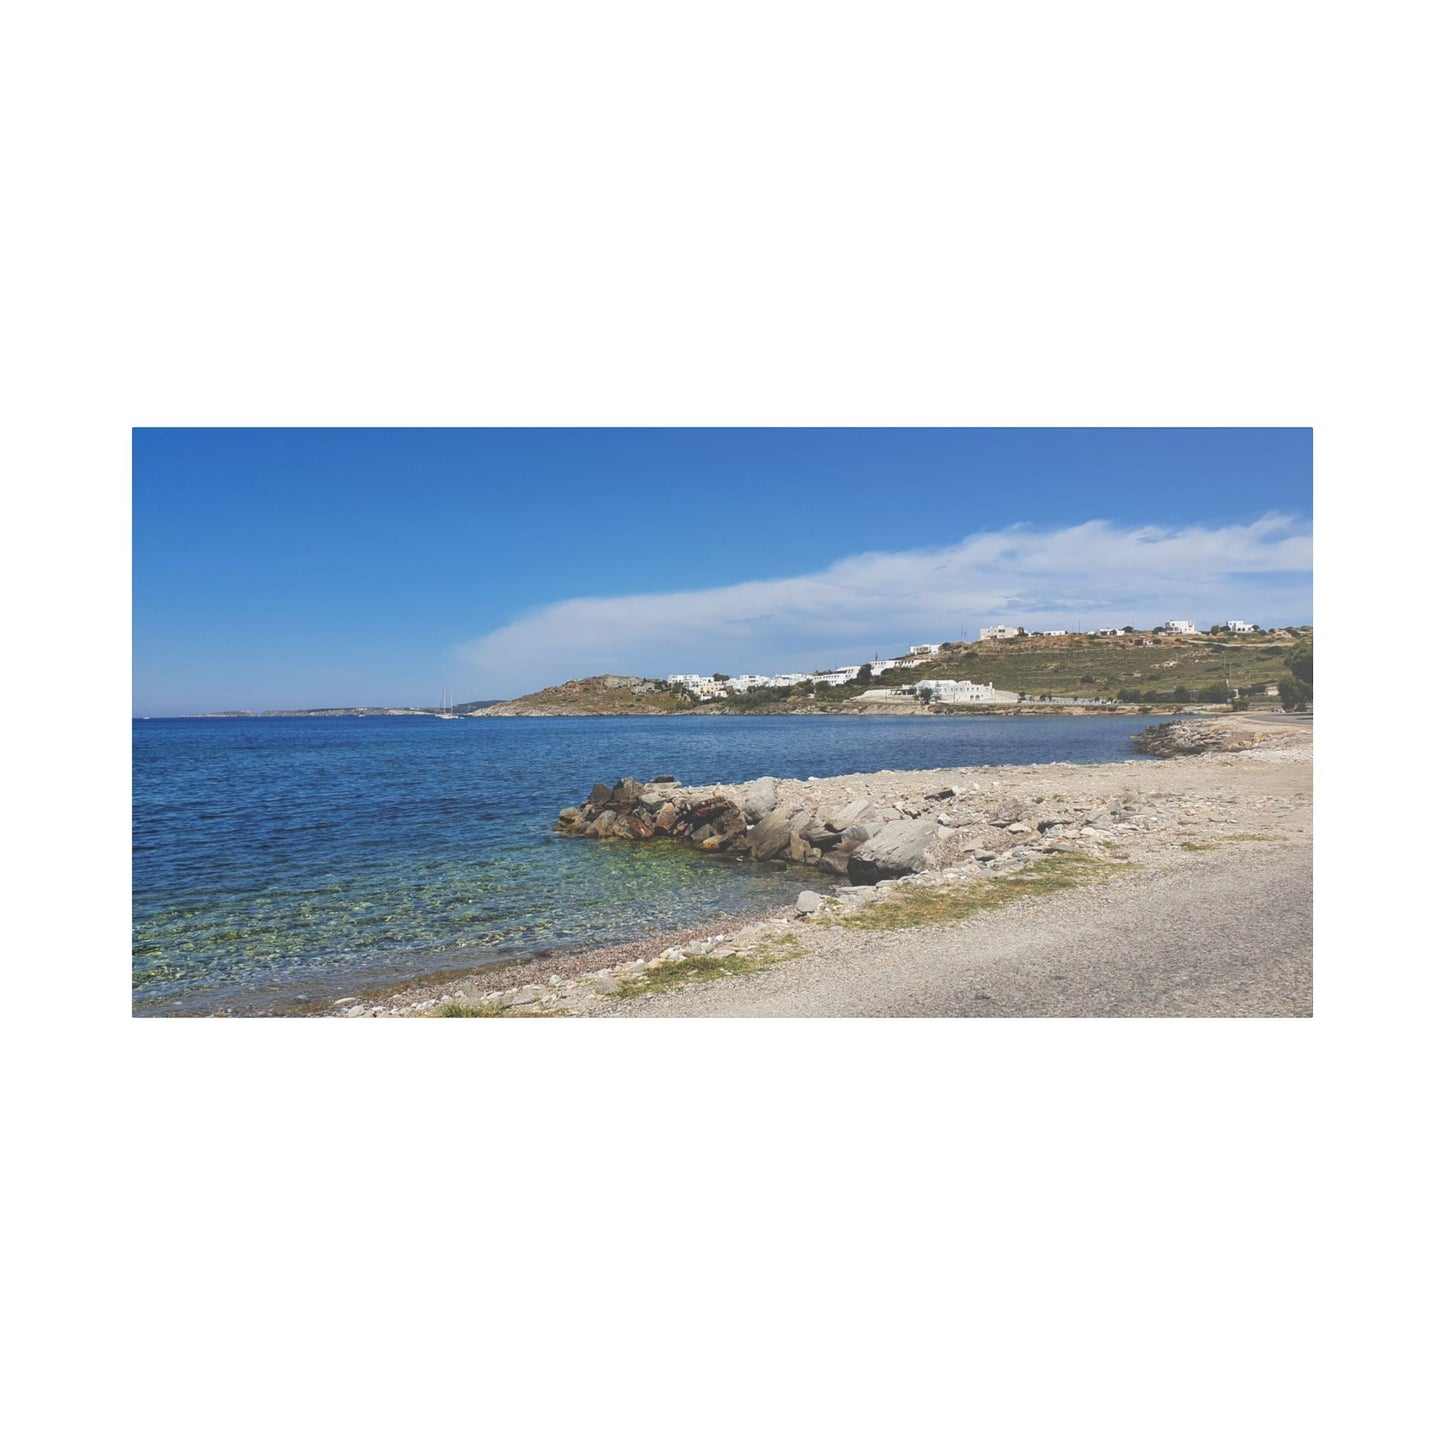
point(1093, 575)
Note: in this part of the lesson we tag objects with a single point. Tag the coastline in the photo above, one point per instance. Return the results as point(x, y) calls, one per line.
point(1247, 794)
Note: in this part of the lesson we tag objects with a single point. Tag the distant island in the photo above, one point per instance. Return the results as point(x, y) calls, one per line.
point(467, 708)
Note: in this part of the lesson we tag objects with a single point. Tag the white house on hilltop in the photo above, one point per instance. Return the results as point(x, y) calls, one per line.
point(925, 649)
point(1179, 626)
point(990, 634)
point(1240, 626)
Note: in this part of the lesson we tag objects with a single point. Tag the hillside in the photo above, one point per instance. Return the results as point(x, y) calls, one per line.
point(1137, 669)
point(609, 694)
point(1127, 668)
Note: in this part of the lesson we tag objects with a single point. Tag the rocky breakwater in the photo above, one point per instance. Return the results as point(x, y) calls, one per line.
point(863, 829)
point(1192, 736)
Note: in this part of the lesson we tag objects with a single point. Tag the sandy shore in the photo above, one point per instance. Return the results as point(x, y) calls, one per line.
point(1179, 886)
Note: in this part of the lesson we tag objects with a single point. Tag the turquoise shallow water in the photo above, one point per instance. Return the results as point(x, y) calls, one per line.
point(283, 861)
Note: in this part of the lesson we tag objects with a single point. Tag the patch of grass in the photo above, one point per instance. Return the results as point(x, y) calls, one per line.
point(1198, 847)
point(709, 968)
point(942, 903)
point(488, 1011)
point(1255, 838)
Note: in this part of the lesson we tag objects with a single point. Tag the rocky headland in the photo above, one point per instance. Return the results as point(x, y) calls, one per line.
point(893, 838)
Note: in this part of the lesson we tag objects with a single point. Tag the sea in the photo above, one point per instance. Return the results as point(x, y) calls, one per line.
point(282, 863)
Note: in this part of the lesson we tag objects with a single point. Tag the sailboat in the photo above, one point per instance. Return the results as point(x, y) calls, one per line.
point(448, 712)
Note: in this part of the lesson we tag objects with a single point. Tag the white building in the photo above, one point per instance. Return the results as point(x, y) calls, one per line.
point(690, 680)
point(925, 649)
point(991, 634)
point(950, 689)
point(1109, 632)
point(1240, 626)
point(1179, 626)
point(1056, 632)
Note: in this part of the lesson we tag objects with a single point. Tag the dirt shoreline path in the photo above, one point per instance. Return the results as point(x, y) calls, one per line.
point(1227, 934)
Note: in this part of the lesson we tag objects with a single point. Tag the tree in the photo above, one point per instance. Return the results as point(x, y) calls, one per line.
point(865, 673)
point(721, 677)
point(1301, 660)
point(925, 695)
point(1297, 687)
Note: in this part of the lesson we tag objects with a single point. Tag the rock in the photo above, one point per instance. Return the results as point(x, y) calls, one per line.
point(1020, 828)
point(528, 993)
point(896, 849)
point(809, 902)
point(605, 985)
point(652, 800)
point(983, 855)
point(666, 817)
point(772, 835)
point(570, 817)
point(599, 796)
point(663, 778)
point(355, 1013)
point(626, 793)
point(857, 833)
point(632, 825)
point(834, 861)
point(760, 799)
point(798, 848)
point(861, 810)
point(601, 825)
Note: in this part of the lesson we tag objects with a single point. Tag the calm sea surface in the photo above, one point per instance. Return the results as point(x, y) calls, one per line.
point(281, 862)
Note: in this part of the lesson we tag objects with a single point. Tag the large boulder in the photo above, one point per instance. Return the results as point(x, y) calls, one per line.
point(632, 825)
point(601, 825)
point(773, 834)
point(862, 810)
point(760, 799)
point(600, 796)
point(896, 849)
point(626, 793)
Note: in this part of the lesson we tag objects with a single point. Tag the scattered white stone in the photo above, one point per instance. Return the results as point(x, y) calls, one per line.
point(809, 902)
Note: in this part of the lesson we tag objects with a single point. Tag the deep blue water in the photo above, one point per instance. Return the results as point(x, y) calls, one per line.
point(285, 861)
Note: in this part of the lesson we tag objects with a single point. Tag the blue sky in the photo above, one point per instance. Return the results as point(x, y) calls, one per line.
point(314, 568)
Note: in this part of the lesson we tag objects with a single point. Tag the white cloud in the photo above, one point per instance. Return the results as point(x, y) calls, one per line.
point(1096, 574)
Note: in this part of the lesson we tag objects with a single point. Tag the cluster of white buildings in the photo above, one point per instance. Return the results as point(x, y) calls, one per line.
point(709, 687)
point(1176, 625)
point(944, 689)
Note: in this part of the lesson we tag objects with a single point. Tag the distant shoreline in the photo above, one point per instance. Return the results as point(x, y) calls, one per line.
point(1017, 709)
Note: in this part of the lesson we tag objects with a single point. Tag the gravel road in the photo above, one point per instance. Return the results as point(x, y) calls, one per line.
point(1225, 935)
